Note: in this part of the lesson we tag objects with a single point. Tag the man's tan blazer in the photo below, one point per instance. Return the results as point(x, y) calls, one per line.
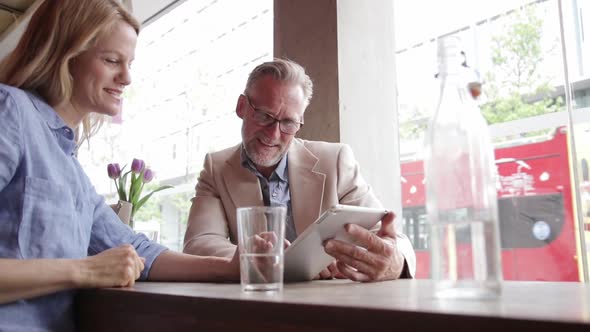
point(321, 175)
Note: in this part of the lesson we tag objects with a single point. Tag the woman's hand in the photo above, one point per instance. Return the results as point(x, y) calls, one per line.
point(114, 267)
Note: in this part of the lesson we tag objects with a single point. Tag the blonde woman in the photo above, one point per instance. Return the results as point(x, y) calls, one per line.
point(56, 233)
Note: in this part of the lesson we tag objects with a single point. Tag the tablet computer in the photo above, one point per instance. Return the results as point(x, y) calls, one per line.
point(305, 258)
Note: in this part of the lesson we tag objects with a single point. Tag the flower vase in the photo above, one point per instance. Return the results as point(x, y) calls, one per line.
point(123, 210)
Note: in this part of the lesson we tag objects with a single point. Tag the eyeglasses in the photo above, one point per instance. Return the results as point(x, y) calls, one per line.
point(263, 119)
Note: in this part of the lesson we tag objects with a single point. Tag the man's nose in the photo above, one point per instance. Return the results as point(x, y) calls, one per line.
point(273, 130)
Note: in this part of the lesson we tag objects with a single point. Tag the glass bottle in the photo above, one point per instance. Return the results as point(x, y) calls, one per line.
point(461, 196)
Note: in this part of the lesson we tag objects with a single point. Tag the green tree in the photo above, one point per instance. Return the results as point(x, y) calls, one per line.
point(516, 86)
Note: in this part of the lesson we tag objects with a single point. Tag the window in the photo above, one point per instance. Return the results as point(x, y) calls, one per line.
point(514, 50)
point(191, 65)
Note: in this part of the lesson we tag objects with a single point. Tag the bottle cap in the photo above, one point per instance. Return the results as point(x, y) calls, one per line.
point(449, 46)
point(449, 52)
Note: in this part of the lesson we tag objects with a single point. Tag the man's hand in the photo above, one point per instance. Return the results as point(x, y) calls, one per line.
point(376, 259)
point(261, 243)
point(330, 272)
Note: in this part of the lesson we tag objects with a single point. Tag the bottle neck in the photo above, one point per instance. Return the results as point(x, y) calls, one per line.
point(452, 81)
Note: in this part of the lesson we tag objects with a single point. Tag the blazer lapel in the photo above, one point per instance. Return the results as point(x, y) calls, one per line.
point(305, 185)
point(243, 185)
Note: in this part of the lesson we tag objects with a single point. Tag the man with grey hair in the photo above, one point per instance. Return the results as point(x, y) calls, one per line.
point(271, 167)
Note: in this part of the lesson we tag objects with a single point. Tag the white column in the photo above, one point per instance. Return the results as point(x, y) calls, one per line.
point(347, 46)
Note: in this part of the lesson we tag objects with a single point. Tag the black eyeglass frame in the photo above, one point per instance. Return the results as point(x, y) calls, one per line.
point(269, 120)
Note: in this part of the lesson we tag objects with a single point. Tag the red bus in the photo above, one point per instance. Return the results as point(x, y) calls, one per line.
point(537, 213)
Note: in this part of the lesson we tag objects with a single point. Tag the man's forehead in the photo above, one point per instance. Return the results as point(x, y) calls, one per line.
point(269, 88)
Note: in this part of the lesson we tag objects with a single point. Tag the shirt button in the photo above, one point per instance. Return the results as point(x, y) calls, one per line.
point(274, 194)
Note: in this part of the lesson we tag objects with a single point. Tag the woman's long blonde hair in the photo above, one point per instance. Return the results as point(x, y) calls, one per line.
point(58, 32)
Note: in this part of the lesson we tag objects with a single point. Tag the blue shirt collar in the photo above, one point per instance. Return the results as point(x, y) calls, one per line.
point(54, 121)
point(280, 170)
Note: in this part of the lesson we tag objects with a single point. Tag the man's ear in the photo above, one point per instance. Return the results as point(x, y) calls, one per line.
point(241, 106)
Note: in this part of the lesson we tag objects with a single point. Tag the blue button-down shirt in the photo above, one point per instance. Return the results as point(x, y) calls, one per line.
point(275, 189)
point(49, 208)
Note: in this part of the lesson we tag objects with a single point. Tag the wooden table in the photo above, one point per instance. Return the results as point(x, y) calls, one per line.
point(335, 305)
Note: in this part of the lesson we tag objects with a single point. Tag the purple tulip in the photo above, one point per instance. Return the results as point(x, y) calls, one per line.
point(114, 170)
point(148, 175)
point(137, 165)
